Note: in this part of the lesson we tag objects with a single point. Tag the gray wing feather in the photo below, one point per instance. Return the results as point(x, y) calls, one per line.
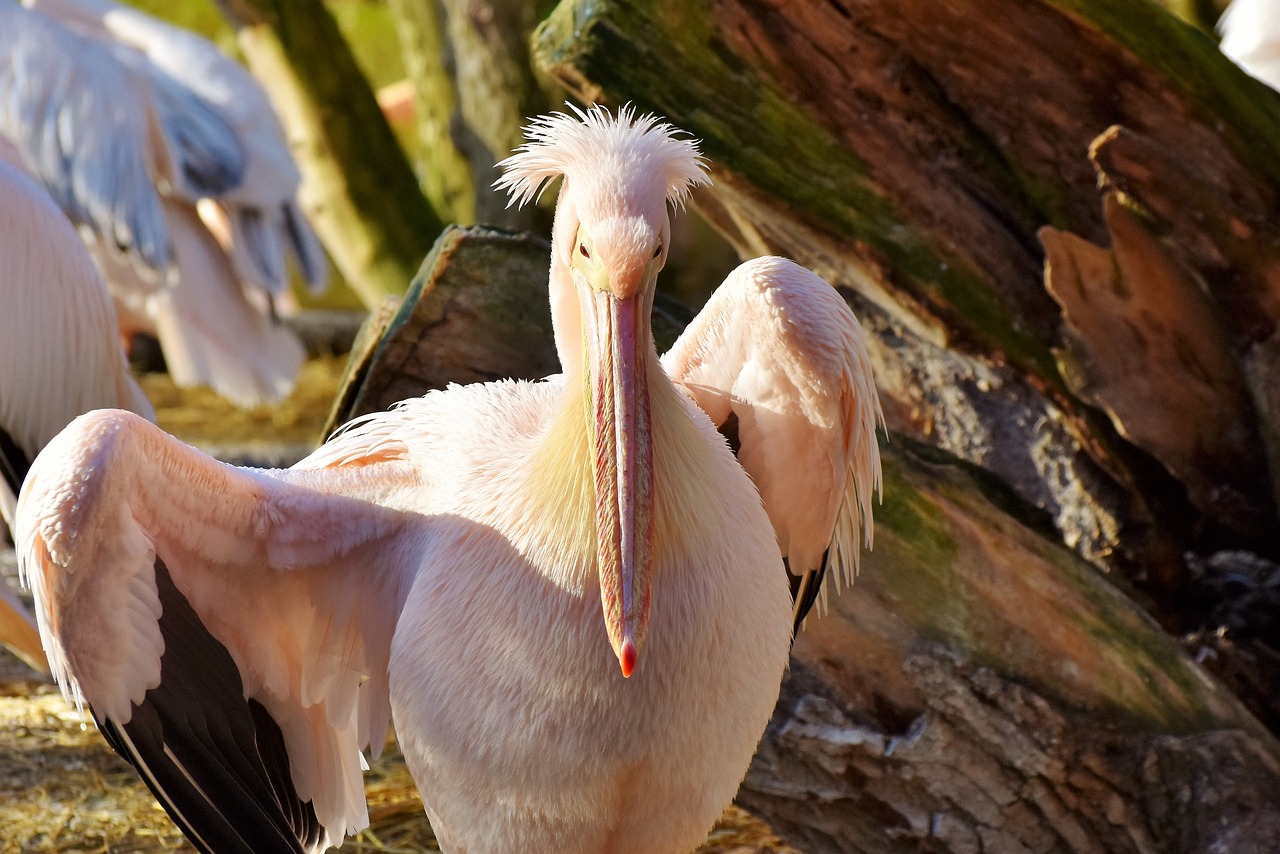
point(80, 114)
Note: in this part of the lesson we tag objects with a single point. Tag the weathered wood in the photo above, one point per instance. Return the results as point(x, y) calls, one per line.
point(358, 190)
point(1218, 227)
point(495, 91)
point(980, 688)
point(474, 313)
point(1147, 346)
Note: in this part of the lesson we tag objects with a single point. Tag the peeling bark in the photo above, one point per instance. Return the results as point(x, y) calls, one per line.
point(1146, 345)
point(989, 765)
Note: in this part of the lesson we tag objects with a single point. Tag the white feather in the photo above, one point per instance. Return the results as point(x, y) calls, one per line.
point(1250, 32)
point(134, 126)
point(778, 348)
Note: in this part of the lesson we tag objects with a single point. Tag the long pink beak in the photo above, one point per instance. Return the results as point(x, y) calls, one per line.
point(623, 467)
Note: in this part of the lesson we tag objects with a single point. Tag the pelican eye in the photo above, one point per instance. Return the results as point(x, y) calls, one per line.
point(657, 250)
point(582, 247)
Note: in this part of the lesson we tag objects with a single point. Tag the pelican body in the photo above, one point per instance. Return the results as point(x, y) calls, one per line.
point(568, 594)
point(571, 756)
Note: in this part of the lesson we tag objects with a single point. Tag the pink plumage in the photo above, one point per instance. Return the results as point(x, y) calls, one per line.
point(568, 594)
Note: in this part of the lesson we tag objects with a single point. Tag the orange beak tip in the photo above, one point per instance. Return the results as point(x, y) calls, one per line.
point(627, 658)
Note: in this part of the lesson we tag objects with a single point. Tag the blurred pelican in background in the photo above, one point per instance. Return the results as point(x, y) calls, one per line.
point(168, 156)
point(60, 353)
point(1250, 31)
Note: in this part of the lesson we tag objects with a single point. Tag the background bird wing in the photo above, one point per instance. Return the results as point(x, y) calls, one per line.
point(60, 352)
point(98, 128)
point(779, 363)
point(293, 575)
point(260, 204)
point(210, 333)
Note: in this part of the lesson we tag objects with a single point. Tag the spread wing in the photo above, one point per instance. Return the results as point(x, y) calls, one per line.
point(167, 583)
point(780, 364)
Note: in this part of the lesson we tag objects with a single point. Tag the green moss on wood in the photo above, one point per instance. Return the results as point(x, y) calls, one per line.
point(960, 571)
point(1216, 90)
point(668, 57)
point(369, 210)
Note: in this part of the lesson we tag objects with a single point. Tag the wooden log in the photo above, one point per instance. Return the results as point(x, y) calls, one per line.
point(1148, 347)
point(474, 313)
point(443, 170)
point(982, 689)
point(495, 91)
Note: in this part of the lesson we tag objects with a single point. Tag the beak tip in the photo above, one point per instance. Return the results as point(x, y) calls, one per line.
point(627, 658)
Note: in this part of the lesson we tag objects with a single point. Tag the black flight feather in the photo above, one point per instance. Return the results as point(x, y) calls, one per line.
point(215, 761)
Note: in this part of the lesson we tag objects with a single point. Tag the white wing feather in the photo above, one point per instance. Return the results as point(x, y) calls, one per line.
point(83, 124)
point(779, 349)
point(169, 154)
point(262, 203)
point(294, 572)
point(60, 352)
point(210, 334)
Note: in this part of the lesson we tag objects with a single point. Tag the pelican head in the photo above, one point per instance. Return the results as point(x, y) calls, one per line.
point(610, 239)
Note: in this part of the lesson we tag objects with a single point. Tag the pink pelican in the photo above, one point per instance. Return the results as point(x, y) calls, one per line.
point(169, 157)
point(60, 352)
point(568, 594)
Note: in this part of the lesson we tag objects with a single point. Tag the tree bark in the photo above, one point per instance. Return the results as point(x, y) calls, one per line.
point(982, 689)
point(496, 92)
point(358, 190)
point(443, 170)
